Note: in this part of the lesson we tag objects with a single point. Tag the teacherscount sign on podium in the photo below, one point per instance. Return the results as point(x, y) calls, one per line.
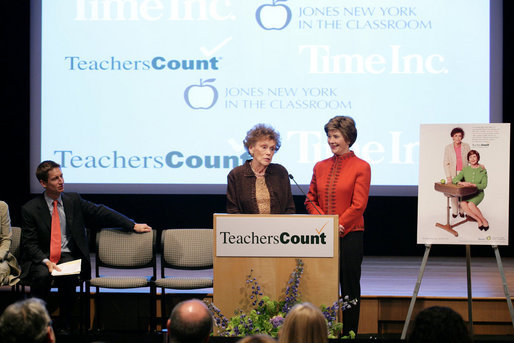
point(269, 236)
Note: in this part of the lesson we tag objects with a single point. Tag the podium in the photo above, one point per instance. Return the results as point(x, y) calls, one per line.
point(268, 246)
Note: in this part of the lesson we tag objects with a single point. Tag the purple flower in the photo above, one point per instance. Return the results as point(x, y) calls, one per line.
point(277, 321)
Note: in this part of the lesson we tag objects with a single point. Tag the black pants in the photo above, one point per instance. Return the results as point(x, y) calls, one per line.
point(350, 261)
point(41, 282)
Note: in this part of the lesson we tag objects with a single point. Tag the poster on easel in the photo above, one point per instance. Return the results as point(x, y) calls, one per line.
point(463, 194)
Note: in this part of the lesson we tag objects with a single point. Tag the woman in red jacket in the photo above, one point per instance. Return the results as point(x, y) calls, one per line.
point(340, 185)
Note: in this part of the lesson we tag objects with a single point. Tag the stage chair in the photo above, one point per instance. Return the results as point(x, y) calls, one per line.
point(15, 242)
point(15, 249)
point(120, 250)
point(190, 253)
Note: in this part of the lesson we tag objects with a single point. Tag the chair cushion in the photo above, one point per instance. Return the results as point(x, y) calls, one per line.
point(184, 282)
point(119, 282)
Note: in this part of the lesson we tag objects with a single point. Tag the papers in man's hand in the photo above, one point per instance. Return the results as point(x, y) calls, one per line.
point(68, 268)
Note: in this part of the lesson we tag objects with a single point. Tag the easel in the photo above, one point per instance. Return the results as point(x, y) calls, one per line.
point(468, 270)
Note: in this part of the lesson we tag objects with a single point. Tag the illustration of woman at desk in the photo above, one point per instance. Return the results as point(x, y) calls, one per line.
point(473, 175)
point(454, 161)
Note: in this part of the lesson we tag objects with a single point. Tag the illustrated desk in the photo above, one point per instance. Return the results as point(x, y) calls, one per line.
point(453, 191)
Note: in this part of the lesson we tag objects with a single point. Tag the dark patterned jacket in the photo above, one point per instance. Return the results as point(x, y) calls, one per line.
point(241, 190)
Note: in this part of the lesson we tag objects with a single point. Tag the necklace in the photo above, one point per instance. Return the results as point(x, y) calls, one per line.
point(261, 174)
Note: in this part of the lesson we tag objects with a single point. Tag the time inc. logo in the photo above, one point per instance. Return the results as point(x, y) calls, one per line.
point(152, 10)
point(321, 60)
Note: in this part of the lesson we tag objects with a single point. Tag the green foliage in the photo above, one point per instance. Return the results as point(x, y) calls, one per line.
point(267, 315)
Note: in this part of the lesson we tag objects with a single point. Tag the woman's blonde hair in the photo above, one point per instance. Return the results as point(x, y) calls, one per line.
point(304, 324)
point(257, 339)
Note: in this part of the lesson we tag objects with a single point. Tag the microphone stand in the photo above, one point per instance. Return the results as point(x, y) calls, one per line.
point(301, 190)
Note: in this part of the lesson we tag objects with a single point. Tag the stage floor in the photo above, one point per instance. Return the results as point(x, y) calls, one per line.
point(443, 277)
point(387, 287)
point(385, 276)
point(388, 283)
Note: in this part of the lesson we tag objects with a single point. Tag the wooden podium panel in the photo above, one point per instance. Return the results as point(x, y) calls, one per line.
point(319, 282)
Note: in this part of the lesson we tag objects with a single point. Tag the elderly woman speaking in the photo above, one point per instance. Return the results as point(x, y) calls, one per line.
point(259, 186)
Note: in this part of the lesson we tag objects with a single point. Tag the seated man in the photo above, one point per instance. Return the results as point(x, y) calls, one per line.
point(26, 321)
point(54, 231)
point(190, 322)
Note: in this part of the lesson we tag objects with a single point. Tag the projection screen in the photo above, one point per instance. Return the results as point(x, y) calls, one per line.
point(156, 96)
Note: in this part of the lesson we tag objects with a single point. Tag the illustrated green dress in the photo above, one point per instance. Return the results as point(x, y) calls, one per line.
point(478, 176)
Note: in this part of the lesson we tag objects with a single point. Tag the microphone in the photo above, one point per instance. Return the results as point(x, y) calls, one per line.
point(301, 190)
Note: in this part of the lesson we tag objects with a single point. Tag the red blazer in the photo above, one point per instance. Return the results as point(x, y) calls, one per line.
point(340, 185)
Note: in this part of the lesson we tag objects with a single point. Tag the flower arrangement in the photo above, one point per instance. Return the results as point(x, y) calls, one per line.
point(267, 315)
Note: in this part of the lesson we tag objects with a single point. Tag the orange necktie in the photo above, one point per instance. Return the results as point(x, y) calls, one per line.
point(55, 238)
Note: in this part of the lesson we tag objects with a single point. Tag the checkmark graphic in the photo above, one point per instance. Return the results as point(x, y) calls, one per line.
point(235, 145)
point(319, 232)
point(209, 53)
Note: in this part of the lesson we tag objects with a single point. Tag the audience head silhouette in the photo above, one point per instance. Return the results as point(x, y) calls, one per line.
point(439, 325)
point(304, 324)
point(26, 321)
point(190, 321)
point(257, 339)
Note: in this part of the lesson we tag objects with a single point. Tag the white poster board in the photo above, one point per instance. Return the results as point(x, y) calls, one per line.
point(435, 220)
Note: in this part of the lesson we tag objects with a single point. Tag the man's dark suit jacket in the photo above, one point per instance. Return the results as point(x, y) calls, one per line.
point(80, 213)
